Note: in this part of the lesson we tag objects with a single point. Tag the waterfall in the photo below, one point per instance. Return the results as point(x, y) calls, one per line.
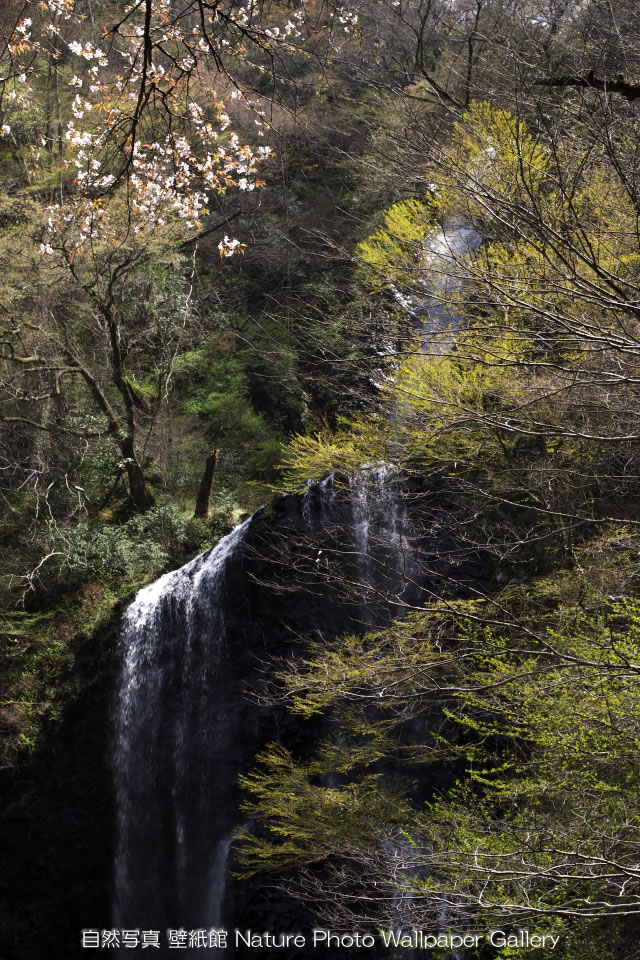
point(444, 271)
point(183, 727)
point(384, 542)
point(173, 753)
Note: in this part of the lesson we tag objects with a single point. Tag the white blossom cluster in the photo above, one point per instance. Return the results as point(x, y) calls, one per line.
point(89, 52)
point(228, 246)
point(59, 8)
point(23, 29)
point(347, 18)
point(291, 28)
point(167, 180)
point(111, 140)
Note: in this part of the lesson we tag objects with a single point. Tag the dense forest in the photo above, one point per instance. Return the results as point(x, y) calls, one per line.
point(248, 249)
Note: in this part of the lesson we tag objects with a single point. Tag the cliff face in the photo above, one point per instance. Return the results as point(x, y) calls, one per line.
point(56, 814)
point(128, 816)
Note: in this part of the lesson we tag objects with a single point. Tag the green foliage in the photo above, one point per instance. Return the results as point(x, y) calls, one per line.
point(393, 252)
point(306, 820)
point(541, 719)
point(138, 550)
point(343, 451)
point(38, 677)
point(220, 396)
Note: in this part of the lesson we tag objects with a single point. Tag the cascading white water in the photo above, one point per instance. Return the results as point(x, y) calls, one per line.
point(180, 712)
point(173, 736)
point(384, 541)
point(444, 270)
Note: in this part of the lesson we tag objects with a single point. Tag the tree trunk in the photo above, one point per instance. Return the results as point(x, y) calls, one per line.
point(204, 491)
point(138, 491)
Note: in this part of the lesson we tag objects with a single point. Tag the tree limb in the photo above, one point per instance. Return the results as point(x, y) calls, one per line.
point(631, 91)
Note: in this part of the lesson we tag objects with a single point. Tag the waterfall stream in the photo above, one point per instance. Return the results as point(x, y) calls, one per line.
point(182, 727)
point(173, 740)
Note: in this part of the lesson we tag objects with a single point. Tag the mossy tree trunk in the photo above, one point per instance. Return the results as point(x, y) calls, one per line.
point(204, 490)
